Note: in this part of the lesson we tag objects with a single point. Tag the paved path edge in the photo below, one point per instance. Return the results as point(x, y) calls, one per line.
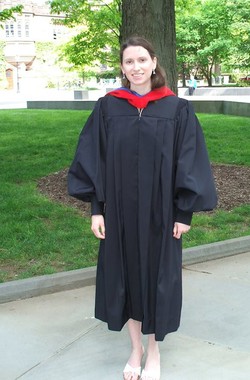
point(40, 285)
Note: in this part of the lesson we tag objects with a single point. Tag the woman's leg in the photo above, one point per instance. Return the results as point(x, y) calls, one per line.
point(152, 365)
point(134, 328)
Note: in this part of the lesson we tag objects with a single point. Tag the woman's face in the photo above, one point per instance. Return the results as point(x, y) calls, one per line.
point(138, 65)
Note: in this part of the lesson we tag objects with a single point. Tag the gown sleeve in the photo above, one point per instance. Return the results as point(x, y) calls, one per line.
point(194, 184)
point(86, 176)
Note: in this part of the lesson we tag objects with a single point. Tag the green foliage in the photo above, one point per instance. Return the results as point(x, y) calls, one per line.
point(7, 14)
point(38, 236)
point(209, 32)
point(98, 38)
point(43, 49)
point(213, 32)
point(240, 30)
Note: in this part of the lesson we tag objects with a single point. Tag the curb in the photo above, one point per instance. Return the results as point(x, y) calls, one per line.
point(216, 251)
point(41, 285)
point(52, 283)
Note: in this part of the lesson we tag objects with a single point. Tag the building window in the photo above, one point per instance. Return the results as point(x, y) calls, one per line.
point(9, 30)
point(27, 26)
point(12, 30)
point(8, 73)
point(27, 29)
point(19, 29)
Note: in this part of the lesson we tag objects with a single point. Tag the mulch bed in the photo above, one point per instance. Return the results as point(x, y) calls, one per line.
point(232, 184)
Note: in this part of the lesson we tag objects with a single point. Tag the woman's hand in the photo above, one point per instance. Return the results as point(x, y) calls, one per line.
point(98, 226)
point(179, 229)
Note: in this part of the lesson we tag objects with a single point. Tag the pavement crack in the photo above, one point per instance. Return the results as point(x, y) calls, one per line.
point(28, 370)
point(196, 270)
point(59, 350)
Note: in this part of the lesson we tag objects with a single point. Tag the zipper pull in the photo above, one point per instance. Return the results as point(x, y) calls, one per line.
point(140, 112)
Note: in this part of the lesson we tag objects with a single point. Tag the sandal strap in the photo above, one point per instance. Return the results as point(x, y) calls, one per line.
point(128, 368)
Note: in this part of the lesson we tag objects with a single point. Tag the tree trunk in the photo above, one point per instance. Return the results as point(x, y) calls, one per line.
point(210, 76)
point(154, 20)
point(183, 75)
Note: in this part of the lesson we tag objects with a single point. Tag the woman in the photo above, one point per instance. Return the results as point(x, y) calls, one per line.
point(142, 162)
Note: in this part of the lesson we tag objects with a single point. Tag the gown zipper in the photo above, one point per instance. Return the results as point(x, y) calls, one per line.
point(140, 112)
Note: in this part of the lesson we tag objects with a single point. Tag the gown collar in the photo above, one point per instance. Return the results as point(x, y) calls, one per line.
point(141, 101)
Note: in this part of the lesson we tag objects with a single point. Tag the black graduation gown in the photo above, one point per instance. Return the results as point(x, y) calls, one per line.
point(147, 170)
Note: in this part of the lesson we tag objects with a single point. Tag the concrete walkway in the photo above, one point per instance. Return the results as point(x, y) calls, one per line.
point(12, 100)
point(55, 337)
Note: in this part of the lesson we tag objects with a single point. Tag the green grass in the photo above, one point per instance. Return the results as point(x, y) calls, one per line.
point(218, 226)
point(228, 138)
point(35, 143)
point(38, 236)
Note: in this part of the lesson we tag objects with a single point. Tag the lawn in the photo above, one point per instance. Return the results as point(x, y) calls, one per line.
point(39, 236)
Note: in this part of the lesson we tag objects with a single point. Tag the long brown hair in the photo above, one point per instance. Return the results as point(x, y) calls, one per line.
point(159, 78)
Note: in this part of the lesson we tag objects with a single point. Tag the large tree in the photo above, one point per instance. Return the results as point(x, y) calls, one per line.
point(105, 24)
point(211, 33)
point(98, 31)
point(154, 20)
point(240, 32)
point(204, 36)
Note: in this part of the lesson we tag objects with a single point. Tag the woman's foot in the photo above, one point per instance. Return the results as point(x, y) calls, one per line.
point(152, 370)
point(132, 370)
point(151, 375)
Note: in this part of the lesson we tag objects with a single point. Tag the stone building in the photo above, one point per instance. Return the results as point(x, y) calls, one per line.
point(29, 44)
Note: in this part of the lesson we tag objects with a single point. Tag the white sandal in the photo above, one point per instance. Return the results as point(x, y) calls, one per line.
point(151, 375)
point(132, 371)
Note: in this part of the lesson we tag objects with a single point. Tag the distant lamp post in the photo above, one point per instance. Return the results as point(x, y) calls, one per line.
point(17, 74)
